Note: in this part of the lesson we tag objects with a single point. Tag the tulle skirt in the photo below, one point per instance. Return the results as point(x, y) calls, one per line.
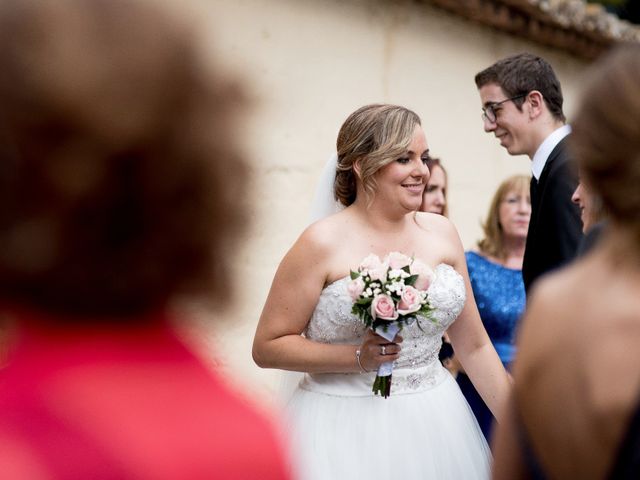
point(424, 430)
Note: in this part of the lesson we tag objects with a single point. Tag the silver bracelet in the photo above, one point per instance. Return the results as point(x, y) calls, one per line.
point(362, 369)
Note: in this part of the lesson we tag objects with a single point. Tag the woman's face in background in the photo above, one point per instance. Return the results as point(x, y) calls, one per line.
point(585, 200)
point(514, 214)
point(434, 197)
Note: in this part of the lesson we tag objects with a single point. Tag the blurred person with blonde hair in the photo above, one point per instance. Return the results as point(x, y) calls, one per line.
point(434, 198)
point(119, 168)
point(580, 417)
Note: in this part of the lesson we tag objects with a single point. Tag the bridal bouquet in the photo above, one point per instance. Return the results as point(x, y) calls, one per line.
point(388, 295)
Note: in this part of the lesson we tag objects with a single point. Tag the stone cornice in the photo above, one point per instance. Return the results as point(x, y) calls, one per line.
point(583, 29)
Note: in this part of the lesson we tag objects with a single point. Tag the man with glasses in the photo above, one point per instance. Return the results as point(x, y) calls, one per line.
point(522, 106)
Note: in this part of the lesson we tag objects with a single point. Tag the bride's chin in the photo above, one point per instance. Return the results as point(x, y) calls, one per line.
point(411, 206)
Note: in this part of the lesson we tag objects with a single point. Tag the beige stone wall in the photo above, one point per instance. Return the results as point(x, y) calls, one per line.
point(309, 64)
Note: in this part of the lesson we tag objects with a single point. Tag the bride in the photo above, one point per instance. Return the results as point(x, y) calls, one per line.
point(339, 429)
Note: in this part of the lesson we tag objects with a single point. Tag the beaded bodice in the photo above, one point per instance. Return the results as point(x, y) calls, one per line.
point(332, 321)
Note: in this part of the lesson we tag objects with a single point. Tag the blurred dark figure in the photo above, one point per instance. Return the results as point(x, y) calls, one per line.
point(592, 214)
point(119, 181)
point(575, 411)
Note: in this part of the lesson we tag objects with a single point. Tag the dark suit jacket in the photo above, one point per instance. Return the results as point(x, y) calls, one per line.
point(555, 228)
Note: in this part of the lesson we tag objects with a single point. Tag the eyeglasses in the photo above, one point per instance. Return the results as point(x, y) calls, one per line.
point(489, 112)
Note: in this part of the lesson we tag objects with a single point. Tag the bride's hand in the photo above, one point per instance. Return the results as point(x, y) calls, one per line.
point(372, 353)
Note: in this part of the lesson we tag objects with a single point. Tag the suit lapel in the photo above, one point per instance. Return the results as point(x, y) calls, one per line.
point(559, 148)
point(537, 188)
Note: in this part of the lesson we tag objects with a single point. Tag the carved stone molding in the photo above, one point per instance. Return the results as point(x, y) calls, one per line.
point(581, 28)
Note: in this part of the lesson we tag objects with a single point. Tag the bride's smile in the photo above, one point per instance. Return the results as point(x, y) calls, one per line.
point(414, 187)
point(409, 172)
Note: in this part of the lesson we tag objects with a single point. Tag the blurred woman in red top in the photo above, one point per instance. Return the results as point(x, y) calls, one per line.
point(119, 171)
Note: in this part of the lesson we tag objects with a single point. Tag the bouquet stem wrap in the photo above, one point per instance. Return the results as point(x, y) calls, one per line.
point(382, 383)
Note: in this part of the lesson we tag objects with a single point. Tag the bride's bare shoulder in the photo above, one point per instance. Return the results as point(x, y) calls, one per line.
point(434, 223)
point(324, 233)
point(429, 220)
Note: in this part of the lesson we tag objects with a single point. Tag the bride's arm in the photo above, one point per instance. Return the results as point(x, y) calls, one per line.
point(294, 294)
point(472, 345)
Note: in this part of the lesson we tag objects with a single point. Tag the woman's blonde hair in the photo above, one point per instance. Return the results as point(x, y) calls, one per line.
point(492, 244)
point(432, 163)
point(373, 136)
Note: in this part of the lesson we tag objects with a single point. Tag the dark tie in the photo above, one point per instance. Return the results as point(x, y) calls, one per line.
point(533, 190)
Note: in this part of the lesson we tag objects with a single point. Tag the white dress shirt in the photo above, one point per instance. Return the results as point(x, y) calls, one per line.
point(545, 149)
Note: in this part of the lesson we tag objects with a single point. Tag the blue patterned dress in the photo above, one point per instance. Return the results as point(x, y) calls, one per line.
point(500, 296)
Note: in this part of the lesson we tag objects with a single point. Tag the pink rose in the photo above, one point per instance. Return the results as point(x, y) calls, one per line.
point(379, 273)
point(424, 272)
point(397, 260)
point(383, 308)
point(355, 288)
point(376, 268)
point(410, 300)
point(371, 261)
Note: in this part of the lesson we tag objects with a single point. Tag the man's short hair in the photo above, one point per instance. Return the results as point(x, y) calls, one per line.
point(520, 74)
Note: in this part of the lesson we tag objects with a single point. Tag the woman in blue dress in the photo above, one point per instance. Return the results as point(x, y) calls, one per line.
point(495, 271)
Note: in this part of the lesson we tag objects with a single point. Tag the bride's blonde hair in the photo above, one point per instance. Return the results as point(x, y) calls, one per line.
point(374, 136)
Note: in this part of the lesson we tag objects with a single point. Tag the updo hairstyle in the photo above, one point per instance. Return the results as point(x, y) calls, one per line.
point(374, 135)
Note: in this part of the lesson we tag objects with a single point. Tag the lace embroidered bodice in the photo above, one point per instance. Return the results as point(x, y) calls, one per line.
point(332, 321)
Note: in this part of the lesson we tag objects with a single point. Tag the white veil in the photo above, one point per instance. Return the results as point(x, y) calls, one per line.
point(323, 205)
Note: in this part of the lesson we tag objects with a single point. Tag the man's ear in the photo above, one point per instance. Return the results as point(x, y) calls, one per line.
point(536, 103)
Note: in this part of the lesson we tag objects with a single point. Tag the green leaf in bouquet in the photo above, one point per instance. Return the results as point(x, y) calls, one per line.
point(411, 280)
point(427, 312)
point(383, 324)
point(354, 275)
point(364, 301)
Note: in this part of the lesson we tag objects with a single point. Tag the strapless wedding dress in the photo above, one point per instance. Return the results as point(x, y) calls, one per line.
point(425, 430)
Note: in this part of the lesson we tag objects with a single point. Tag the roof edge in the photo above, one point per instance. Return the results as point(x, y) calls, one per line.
point(582, 29)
